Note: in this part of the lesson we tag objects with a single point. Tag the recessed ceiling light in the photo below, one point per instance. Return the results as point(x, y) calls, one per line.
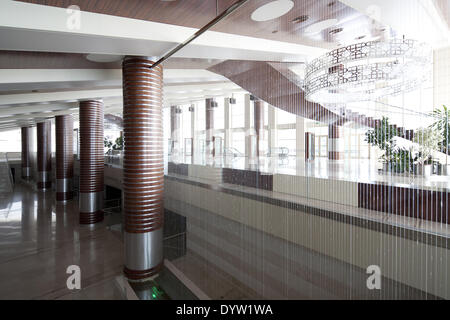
point(103, 57)
point(300, 19)
point(272, 10)
point(337, 30)
point(321, 25)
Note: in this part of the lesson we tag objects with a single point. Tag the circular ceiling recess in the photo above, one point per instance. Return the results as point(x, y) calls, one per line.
point(320, 26)
point(103, 57)
point(272, 10)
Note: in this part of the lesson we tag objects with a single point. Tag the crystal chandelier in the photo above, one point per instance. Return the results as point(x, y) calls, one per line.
point(367, 71)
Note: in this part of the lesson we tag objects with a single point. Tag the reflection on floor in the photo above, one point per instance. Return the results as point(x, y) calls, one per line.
point(40, 238)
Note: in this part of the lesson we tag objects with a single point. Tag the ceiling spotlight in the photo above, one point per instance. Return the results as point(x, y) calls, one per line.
point(337, 30)
point(272, 10)
point(320, 26)
point(104, 58)
point(300, 19)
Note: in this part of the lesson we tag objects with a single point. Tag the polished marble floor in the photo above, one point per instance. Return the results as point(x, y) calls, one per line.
point(40, 238)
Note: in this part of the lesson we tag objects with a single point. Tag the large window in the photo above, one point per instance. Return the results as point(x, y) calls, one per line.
point(186, 122)
point(286, 139)
point(321, 145)
point(11, 141)
point(219, 114)
point(355, 146)
point(238, 140)
point(201, 116)
point(285, 117)
point(238, 112)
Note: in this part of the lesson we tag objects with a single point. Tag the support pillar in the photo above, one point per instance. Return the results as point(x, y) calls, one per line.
point(209, 127)
point(26, 152)
point(91, 162)
point(248, 132)
point(193, 110)
point(259, 125)
point(300, 148)
point(143, 168)
point(64, 157)
point(175, 113)
point(44, 155)
point(273, 131)
point(335, 143)
point(227, 123)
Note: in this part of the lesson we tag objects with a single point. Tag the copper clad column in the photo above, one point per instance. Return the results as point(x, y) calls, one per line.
point(91, 162)
point(64, 157)
point(44, 155)
point(26, 153)
point(259, 124)
point(143, 168)
point(335, 143)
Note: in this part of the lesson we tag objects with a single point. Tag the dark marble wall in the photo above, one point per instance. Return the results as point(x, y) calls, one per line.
point(430, 205)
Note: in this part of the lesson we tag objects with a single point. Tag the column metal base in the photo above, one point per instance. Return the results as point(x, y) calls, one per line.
point(26, 173)
point(64, 189)
point(91, 207)
point(143, 254)
point(44, 181)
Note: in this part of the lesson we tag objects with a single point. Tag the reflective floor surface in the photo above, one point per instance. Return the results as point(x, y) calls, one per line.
point(40, 238)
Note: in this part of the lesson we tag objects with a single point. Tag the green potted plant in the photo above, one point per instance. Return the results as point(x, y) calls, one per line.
point(427, 141)
point(118, 146)
point(108, 145)
point(383, 137)
point(442, 124)
point(401, 160)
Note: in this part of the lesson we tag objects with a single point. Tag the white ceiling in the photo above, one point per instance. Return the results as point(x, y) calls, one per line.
point(31, 95)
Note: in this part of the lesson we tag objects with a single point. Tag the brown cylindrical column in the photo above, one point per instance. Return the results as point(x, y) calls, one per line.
point(259, 124)
point(44, 155)
point(91, 162)
point(143, 167)
point(335, 143)
point(209, 126)
point(26, 152)
point(64, 157)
